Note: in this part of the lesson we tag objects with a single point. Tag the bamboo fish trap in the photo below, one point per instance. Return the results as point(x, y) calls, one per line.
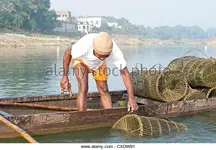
point(194, 94)
point(200, 72)
point(211, 93)
point(162, 86)
point(147, 126)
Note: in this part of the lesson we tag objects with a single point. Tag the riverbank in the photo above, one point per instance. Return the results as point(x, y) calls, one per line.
point(19, 40)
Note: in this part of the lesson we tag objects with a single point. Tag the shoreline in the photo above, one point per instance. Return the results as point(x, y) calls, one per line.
point(20, 40)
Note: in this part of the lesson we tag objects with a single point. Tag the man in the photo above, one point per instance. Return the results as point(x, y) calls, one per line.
point(88, 56)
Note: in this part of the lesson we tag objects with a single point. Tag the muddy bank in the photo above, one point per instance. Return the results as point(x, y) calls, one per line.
point(136, 40)
point(18, 40)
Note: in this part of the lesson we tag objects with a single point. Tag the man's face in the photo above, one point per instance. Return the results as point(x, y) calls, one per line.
point(101, 57)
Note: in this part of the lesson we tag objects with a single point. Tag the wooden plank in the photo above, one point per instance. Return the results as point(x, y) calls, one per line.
point(145, 101)
point(90, 96)
point(178, 108)
point(39, 106)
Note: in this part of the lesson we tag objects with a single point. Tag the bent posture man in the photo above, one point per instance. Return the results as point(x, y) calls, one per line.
point(88, 56)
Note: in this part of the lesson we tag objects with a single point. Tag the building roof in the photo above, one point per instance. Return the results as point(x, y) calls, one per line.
point(62, 12)
point(89, 17)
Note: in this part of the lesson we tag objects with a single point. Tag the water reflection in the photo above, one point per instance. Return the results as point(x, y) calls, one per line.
point(29, 72)
point(24, 72)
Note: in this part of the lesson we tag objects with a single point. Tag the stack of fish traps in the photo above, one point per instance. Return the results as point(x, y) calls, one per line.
point(200, 74)
point(147, 126)
point(184, 78)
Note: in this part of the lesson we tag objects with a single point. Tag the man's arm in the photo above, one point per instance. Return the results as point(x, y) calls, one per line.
point(128, 84)
point(119, 61)
point(77, 50)
point(64, 83)
point(66, 61)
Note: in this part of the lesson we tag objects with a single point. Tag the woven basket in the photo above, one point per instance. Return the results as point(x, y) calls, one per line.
point(211, 93)
point(174, 85)
point(162, 86)
point(180, 63)
point(139, 82)
point(152, 86)
point(147, 126)
point(194, 94)
point(200, 72)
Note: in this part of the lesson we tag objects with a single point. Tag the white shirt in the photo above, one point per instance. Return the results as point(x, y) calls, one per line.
point(83, 49)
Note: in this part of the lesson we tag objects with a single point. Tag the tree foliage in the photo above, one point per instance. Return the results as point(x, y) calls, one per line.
point(35, 15)
point(161, 32)
point(28, 15)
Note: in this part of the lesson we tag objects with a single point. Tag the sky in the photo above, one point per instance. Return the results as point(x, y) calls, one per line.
point(146, 12)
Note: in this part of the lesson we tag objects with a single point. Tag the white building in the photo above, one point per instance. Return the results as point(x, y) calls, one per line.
point(114, 25)
point(84, 27)
point(86, 23)
point(63, 16)
point(67, 22)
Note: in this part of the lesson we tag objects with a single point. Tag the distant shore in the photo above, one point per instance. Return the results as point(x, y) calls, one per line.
point(19, 40)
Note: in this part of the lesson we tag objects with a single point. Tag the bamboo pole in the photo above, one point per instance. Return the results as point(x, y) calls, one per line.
point(51, 107)
point(18, 130)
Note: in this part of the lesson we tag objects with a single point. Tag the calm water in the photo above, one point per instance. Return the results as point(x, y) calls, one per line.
point(201, 129)
point(30, 72)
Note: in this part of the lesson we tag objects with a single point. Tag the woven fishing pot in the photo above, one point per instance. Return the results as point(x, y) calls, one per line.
point(208, 76)
point(152, 87)
point(211, 93)
point(194, 94)
point(158, 85)
point(174, 85)
point(147, 126)
point(139, 81)
point(188, 69)
point(200, 72)
point(180, 63)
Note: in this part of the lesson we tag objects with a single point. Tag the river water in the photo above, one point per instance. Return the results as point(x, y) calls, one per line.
point(37, 71)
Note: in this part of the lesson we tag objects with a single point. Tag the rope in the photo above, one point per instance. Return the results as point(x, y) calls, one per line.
point(66, 89)
point(196, 50)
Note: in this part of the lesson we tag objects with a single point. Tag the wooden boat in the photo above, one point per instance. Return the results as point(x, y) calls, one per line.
point(40, 121)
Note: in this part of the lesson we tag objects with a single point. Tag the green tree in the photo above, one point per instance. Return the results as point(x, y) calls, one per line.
point(28, 15)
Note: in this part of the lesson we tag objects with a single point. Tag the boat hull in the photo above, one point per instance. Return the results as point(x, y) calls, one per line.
point(41, 122)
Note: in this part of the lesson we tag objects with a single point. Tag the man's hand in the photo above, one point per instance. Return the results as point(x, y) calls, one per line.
point(132, 105)
point(64, 84)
